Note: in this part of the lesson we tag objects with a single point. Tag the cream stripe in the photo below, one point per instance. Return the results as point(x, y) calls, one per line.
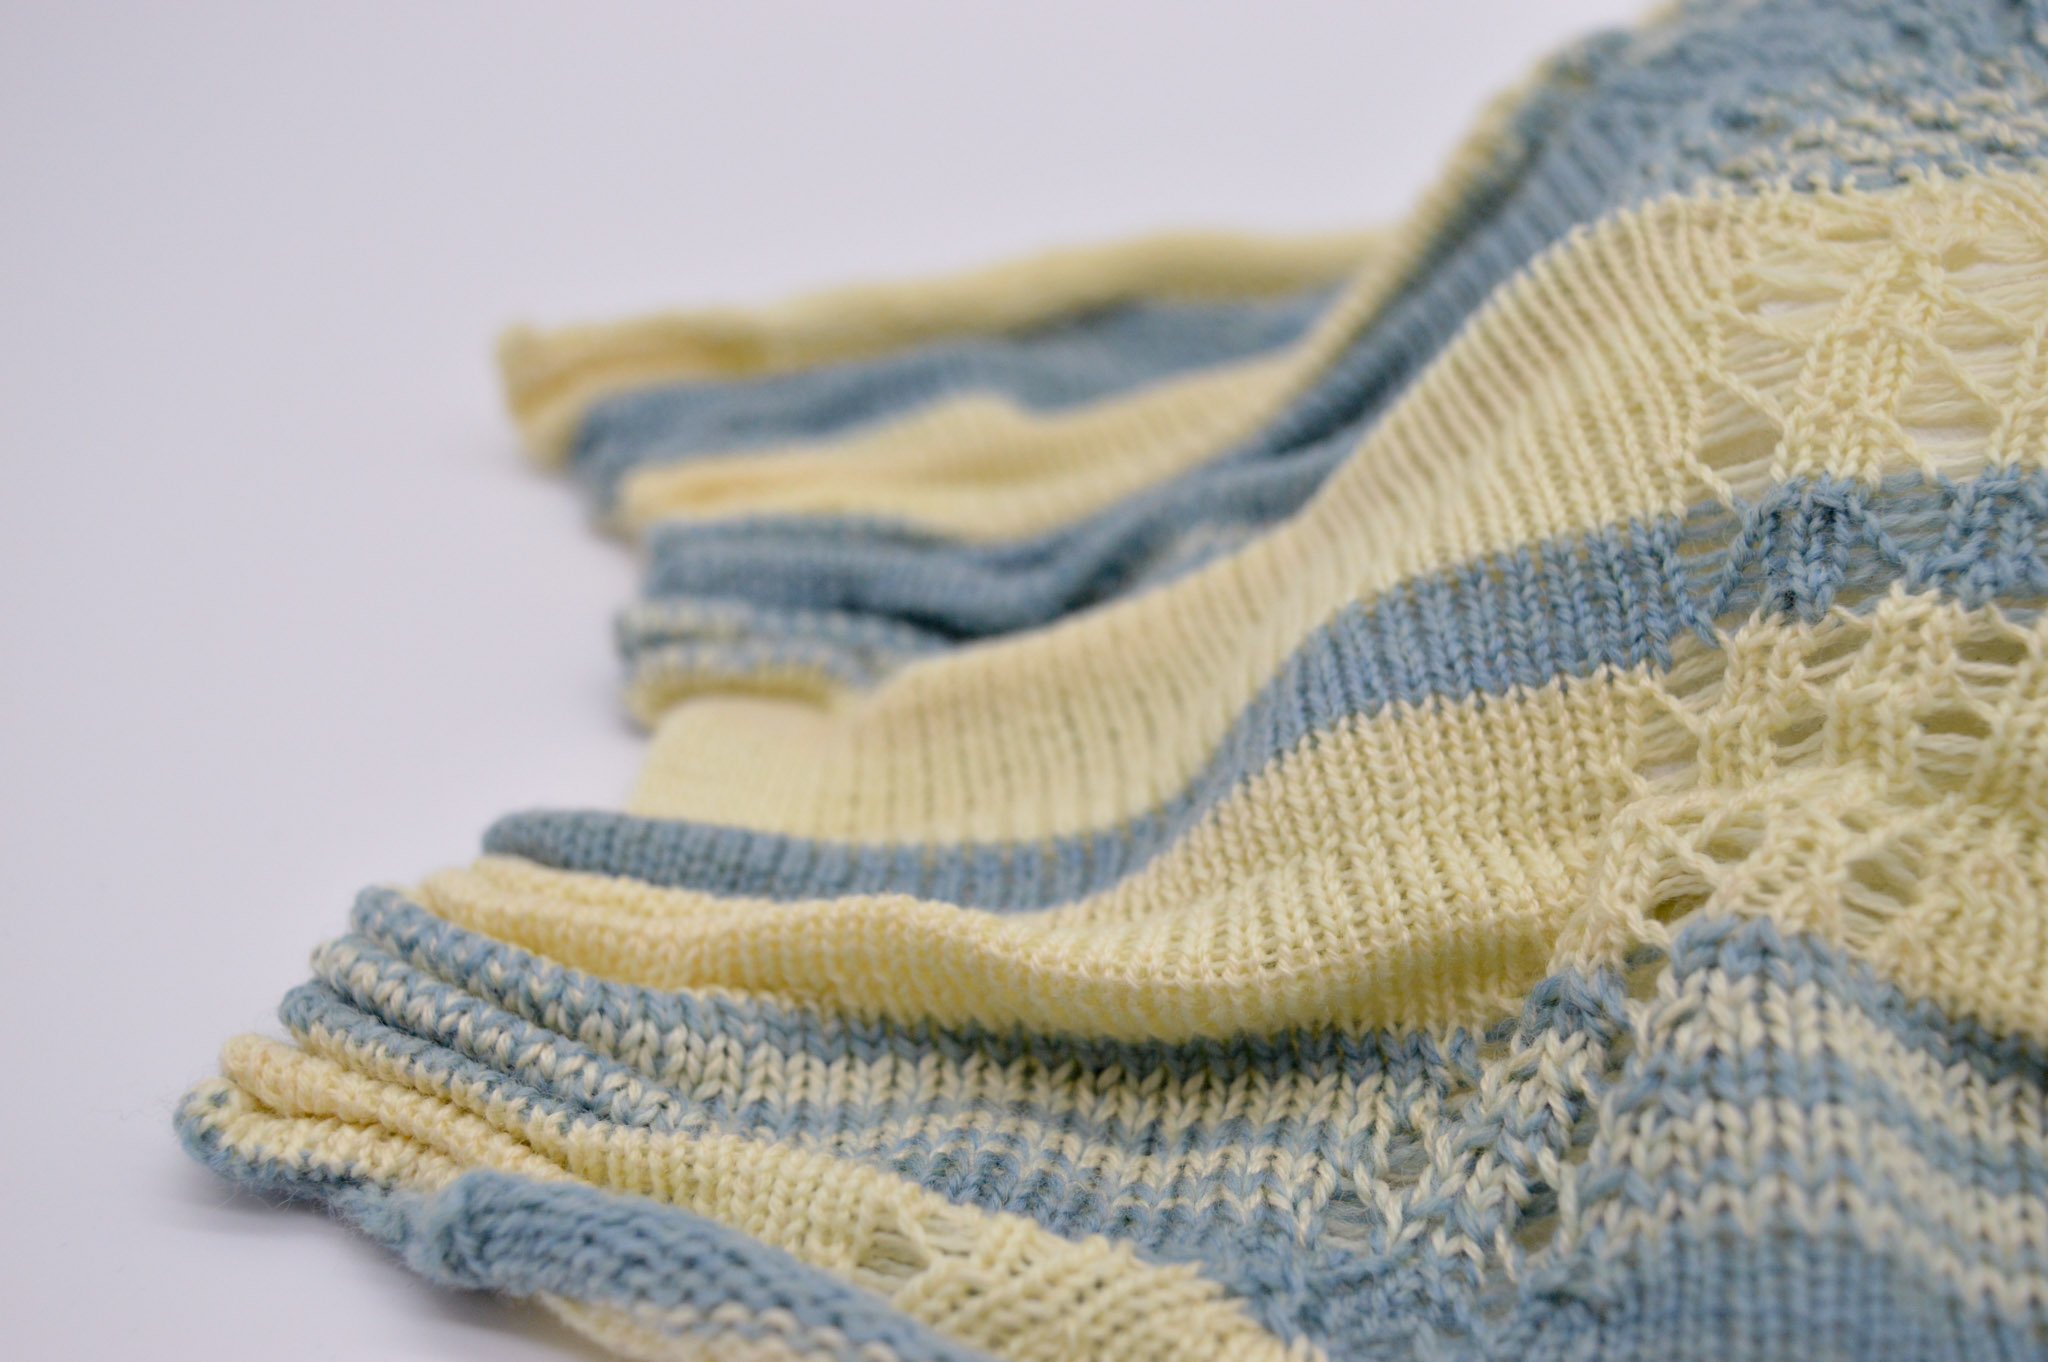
point(319, 1145)
point(977, 466)
point(659, 681)
point(1428, 865)
point(1328, 889)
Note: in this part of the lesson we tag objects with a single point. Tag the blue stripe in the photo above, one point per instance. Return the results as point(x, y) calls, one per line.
point(901, 575)
point(1047, 368)
point(1615, 598)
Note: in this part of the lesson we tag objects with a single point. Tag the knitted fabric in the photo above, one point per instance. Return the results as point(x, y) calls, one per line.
point(1513, 823)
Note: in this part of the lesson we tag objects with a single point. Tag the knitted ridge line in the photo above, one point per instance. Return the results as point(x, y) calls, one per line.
point(1568, 886)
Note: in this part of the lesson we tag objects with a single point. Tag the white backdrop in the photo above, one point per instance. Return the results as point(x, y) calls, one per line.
point(284, 613)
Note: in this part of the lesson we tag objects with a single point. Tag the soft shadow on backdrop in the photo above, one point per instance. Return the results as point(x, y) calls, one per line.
point(283, 612)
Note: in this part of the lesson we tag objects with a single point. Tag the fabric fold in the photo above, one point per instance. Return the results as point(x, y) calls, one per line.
point(1471, 792)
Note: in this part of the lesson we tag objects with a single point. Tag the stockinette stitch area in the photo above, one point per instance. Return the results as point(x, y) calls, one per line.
point(1477, 790)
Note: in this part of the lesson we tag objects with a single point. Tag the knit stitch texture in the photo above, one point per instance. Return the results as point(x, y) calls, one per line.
point(1473, 791)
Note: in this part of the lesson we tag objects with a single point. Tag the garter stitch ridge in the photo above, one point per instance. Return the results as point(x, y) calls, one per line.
point(1475, 791)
